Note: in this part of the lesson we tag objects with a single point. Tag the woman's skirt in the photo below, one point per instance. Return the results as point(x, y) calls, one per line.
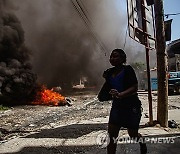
point(125, 117)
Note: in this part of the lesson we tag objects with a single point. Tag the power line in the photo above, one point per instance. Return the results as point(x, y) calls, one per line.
point(171, 14)
point(82, 12)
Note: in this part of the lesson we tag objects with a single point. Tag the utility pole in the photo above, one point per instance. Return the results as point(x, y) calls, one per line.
point(162, 106)
point(144, 27)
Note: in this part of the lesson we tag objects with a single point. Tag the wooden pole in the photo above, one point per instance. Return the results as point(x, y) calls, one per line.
point(144, 24)
point(149, 88)
point(162, 106)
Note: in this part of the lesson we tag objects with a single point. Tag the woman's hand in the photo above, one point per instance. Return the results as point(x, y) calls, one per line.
point(115, 93)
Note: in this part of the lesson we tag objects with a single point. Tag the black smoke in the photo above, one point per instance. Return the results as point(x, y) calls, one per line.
point(68, 42)
point(70, 39)
point(16, 77)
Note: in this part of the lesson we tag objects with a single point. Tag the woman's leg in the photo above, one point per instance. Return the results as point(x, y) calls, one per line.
point(133, 133)
point(113, 131)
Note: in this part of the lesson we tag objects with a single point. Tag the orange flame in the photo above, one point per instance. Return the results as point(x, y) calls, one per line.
point(49, 97)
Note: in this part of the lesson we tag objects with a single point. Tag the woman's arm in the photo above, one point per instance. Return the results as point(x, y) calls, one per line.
point(128, 92)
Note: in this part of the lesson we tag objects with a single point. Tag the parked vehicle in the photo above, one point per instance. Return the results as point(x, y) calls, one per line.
point(174, 82)
point(173, 51)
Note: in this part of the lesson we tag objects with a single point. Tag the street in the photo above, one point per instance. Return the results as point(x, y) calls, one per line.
point(80, 128)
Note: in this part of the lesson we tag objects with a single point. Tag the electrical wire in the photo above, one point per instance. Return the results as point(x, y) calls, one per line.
point(83, 13)
point(171, 14)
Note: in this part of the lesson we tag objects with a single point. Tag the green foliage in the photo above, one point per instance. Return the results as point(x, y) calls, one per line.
point(3, 107)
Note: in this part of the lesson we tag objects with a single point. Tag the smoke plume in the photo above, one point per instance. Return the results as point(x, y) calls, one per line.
point(70, 39)
point(16, 77)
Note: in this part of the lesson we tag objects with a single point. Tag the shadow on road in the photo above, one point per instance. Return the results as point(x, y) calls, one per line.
point(69, 131)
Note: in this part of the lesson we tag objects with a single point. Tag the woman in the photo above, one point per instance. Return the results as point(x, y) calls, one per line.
point(121, 86)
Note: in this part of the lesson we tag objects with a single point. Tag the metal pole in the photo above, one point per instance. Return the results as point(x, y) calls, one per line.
point(162, 106)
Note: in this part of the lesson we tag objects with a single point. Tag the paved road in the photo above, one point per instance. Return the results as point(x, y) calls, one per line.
point(85, 137)
point(80, 130)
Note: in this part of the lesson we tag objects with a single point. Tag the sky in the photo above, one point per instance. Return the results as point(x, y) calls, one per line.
point(172, 7)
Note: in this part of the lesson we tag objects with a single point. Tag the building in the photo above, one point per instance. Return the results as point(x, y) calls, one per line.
point(173, 51)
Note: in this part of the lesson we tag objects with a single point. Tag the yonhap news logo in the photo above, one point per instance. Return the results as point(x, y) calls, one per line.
point(151, 140)
point(103, 140)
